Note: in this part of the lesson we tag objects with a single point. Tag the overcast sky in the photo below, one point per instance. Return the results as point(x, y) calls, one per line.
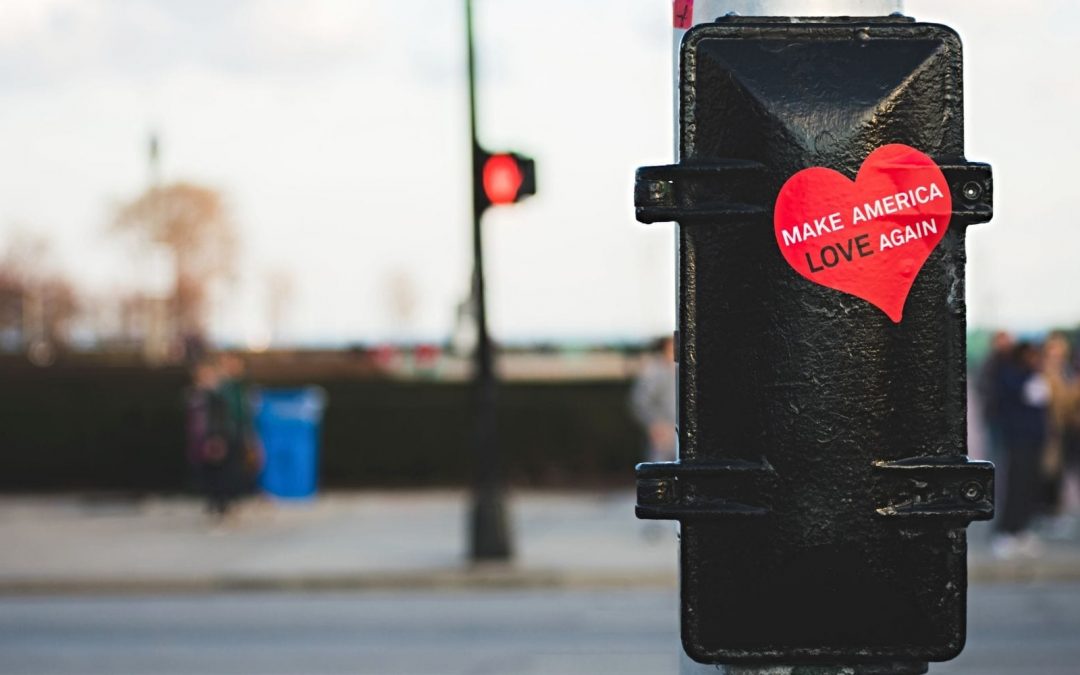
point(336, 129)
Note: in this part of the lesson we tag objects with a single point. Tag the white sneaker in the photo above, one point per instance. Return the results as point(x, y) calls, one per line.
point(1029, 545)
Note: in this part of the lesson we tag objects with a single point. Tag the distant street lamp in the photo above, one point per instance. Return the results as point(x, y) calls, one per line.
point(497, 178)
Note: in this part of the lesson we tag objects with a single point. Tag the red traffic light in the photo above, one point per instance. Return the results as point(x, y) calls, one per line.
point(502, 179)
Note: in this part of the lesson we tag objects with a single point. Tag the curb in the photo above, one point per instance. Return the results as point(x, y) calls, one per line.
point(466, 578)
point(1023, 571)
point(480, 577)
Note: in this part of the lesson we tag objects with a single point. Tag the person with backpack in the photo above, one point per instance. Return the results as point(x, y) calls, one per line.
point(216, 461)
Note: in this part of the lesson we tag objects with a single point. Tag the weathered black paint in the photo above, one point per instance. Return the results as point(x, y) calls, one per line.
point(823, 485)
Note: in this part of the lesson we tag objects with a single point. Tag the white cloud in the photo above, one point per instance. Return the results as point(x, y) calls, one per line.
point(293, 28)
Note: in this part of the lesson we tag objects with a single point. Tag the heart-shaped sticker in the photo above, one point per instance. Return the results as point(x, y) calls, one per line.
point(869, 237)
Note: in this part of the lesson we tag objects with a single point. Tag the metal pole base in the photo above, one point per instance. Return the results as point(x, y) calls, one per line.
point(490, 538)
point(691, 667)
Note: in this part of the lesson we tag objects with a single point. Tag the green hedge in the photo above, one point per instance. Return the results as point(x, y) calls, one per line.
point(122, 428)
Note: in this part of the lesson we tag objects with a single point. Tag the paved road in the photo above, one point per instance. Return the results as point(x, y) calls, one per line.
point(1014, 629)
point(383, 540)
point(362, 539)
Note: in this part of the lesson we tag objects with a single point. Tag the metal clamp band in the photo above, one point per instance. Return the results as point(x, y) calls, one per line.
point(717, 191)
point(953, 488)
point(703, 491)
point(732, 189)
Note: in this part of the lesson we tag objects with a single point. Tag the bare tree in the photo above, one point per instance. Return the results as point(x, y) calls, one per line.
point(37, 305)
point(11, 305)
point(192, 222)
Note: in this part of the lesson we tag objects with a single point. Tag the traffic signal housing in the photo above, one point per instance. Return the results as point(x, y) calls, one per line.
point(502, 178)
point(822, 482)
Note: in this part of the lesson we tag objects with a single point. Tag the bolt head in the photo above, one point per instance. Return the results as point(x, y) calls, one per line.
point(972, 492)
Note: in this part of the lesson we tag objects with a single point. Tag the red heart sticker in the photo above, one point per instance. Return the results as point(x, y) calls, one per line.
point(869, 237)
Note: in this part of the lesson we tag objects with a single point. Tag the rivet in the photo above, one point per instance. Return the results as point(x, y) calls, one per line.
point(972, 191)
point(972, 492)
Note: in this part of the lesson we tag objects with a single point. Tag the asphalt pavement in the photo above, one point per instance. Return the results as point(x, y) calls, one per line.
point(366, 540)
point(378, 582)
point(1014, 629)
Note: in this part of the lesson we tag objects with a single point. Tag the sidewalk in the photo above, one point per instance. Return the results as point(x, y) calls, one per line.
point(363, 540)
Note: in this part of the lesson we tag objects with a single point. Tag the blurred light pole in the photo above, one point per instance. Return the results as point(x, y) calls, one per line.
point(488, 527)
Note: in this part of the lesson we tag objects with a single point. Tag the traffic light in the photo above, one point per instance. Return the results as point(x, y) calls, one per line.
point(502, 178)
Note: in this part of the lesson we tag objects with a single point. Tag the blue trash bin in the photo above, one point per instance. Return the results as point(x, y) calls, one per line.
point(288, 422)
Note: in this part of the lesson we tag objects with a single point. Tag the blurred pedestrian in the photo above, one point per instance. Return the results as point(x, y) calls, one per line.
point(1061, 458)
point(208, 439)
point(237, 393)
point(654, 400)
point(1001, 345)
point(1023, 396)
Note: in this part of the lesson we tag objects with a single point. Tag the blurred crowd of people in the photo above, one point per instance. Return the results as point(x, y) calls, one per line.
point(1030, 404)
point(223, 450)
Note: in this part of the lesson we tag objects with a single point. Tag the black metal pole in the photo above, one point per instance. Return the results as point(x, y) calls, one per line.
point(489, 532)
